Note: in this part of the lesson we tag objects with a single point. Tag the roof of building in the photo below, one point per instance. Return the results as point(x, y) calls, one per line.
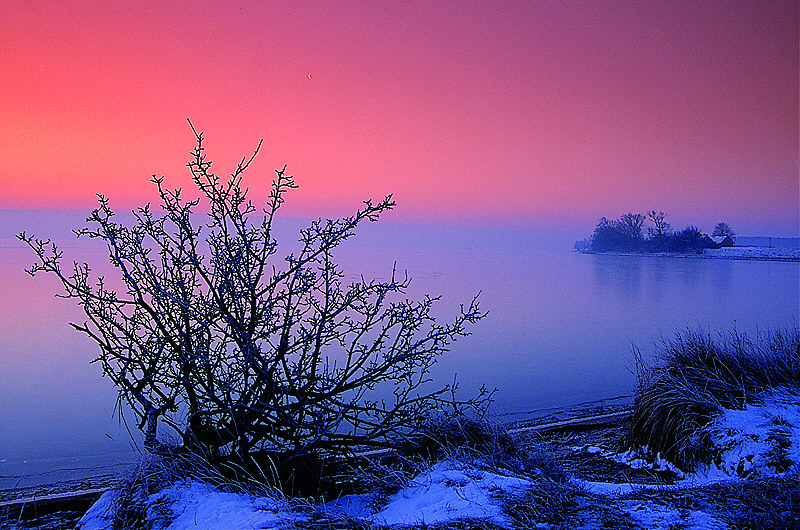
point(720, 240)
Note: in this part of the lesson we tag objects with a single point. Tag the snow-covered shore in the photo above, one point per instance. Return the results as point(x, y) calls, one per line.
point(757, 253)
point(741, 253)
point(763, 440)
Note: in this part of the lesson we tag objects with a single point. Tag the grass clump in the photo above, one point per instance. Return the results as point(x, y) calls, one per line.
point(550, 500)
point(440, 437)
point(157, 471)
point(696, 376)
point(764, 502)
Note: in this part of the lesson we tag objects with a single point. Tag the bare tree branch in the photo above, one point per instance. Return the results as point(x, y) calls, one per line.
point(240, 352)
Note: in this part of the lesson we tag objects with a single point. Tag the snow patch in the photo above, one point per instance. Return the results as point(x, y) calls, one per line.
point(449, 491)
point(639, 458)
point(355, 506)
point(642, 458)
point(446, 492)
point(191, 504)
point(753, 253)
point(100, 515)
point(608, 488)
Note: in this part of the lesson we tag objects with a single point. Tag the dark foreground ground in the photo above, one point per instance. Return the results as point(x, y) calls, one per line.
point(62, 504)
point(559, 435)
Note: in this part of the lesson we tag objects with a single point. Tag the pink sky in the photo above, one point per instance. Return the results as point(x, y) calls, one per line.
point(502, 112)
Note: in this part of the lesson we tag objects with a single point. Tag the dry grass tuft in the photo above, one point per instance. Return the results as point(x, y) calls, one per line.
point(444, 437)
point(155, 472)
point(549, 500)
point(696, 377)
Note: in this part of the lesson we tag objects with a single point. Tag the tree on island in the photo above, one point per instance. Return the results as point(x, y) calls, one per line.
point(723, 229)
point(631, 226)
point(259, 363)
point(623, 234)
point(660, 227)
point(626, 235)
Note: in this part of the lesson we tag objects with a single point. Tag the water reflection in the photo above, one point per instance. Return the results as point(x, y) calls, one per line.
point(655, 277)
point(621, 273)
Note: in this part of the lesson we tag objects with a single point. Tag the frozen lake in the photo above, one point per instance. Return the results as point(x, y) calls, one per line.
point(560, 329)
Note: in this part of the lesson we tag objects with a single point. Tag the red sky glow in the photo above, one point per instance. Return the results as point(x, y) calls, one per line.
point(504, 112)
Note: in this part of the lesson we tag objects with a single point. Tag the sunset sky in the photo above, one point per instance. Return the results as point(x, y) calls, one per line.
point(501, 112)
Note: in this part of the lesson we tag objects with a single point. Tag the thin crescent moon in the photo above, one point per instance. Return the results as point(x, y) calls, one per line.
point(309, 75)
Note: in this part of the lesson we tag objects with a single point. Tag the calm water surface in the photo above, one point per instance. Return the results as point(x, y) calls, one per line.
point(560, 329)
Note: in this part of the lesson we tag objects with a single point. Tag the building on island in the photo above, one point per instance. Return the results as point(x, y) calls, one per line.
point(723, 241)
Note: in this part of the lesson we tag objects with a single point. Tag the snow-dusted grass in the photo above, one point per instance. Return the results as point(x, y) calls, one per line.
point(752, 482)
point(130, 506)
point(761, 439)
point(742, 397)
point(745, 490)
point(700, 376)
point(758, 441)
point(102, 513)
point(447, 491)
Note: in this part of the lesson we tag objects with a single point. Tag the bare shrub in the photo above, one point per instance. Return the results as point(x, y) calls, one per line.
point(259, 363)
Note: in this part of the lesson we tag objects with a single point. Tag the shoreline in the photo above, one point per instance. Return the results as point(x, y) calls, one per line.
point(605, 484)
point(513, 422)
point(68, 506)
point(790, 256)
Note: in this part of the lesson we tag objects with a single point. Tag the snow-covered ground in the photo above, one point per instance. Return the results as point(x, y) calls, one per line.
point(753, 253)
point(761, 440)
point(446, 492)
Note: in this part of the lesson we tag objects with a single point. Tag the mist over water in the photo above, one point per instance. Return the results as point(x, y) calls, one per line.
point(560, 328)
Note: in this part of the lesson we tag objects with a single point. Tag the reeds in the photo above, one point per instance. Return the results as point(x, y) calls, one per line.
point(696, 376)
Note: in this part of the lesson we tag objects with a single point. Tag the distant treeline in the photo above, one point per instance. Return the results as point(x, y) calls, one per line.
point(634, 232)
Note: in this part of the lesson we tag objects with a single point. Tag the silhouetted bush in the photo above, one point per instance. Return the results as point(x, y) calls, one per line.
point(624, 234)
point(723, 229)
point(262, 364)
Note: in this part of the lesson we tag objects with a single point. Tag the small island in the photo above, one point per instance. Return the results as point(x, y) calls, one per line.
point(628, 234)
point(652, 234)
